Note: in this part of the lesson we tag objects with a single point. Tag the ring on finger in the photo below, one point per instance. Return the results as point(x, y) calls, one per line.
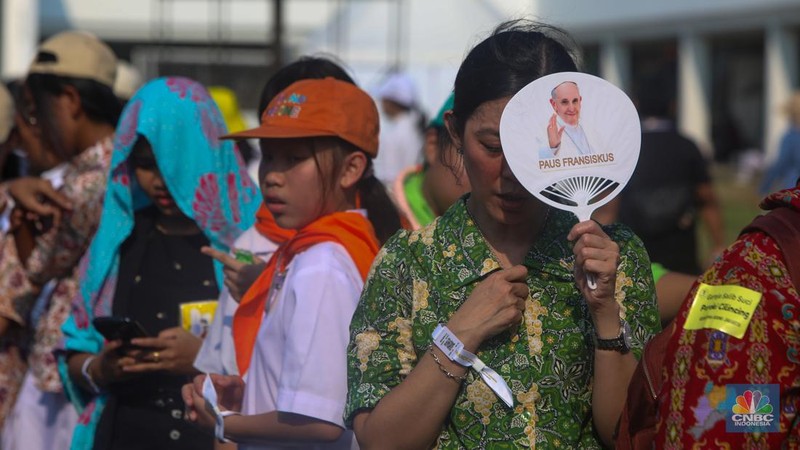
point(156, 357)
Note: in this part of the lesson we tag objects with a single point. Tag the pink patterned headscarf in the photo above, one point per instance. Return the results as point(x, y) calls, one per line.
point(205, 176)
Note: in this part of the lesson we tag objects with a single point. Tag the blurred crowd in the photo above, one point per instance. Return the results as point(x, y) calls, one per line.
point(350, 272)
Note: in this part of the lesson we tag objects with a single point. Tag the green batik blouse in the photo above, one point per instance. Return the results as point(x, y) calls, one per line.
point(420, 278)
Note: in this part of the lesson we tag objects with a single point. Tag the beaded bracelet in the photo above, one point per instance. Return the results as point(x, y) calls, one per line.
point(456, 378)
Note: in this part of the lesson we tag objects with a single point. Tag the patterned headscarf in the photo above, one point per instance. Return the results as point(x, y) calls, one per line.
point(206, 178)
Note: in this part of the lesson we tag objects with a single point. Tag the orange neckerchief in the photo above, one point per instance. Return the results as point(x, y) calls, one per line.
point(266, 226)
point(352, 230)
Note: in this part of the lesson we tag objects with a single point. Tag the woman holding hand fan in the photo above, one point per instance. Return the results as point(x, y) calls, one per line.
point(480, 329)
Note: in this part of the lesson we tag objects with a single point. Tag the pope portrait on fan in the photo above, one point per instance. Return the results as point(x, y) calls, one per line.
point(566, 136)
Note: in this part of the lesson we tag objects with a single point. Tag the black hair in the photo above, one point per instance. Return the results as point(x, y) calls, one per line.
point(447, 158)
point(373, 196)
point(305, 68)
point(97, 100)
point(142, 156)
point(380, 207)
point(516, 53)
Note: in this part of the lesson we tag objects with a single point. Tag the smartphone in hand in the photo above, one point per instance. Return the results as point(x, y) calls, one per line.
point(119, 328)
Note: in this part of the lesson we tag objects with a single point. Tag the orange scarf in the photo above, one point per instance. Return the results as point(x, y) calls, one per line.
point(352, 230)
point(266, 226)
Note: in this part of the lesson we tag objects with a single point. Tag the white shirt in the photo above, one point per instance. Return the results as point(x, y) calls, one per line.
point(574, 142)
point(400, 146)
point(218, 354)
point(299, 362)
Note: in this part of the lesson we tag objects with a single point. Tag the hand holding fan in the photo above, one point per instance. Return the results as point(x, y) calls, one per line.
point(572, 140)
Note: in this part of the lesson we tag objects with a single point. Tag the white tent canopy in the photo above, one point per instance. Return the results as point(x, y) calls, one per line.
point(425, 39)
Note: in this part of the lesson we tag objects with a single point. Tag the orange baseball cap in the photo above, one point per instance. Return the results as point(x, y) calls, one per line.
point(314, 108)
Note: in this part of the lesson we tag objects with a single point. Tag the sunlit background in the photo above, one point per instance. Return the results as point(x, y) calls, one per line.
point(730, 64)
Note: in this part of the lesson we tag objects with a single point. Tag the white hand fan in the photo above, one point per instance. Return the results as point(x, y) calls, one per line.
point(572, 140)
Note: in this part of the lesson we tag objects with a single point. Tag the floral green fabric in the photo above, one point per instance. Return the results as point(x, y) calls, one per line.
point(420, 278)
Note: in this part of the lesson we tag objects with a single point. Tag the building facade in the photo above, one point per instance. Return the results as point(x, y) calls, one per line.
point(730, 64)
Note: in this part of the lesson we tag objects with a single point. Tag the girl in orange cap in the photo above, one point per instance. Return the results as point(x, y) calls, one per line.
point(317, 138)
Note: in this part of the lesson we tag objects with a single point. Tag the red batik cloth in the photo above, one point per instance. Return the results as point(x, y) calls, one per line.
point(700, 363)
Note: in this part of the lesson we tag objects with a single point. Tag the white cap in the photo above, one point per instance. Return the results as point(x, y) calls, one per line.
point(399, 88)
point(128, 80)
point(77, 54)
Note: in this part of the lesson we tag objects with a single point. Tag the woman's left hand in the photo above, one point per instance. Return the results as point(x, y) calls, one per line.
point(174, 351)
point(597, 254)
point(38, 196)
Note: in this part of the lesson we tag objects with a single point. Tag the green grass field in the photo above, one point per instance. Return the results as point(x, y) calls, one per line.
point(739, 204)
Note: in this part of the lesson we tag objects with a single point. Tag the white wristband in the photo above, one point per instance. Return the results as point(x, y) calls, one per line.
point(87, 376)
point(210, 395)
point(451, 346)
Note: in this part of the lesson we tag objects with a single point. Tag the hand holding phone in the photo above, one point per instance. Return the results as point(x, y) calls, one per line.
point(119, 328)
point(173, 351)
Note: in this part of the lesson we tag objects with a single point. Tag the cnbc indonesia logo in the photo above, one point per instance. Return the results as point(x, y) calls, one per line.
point(752, 409)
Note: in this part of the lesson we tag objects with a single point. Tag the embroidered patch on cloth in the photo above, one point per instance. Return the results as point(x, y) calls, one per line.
point(287, 105)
